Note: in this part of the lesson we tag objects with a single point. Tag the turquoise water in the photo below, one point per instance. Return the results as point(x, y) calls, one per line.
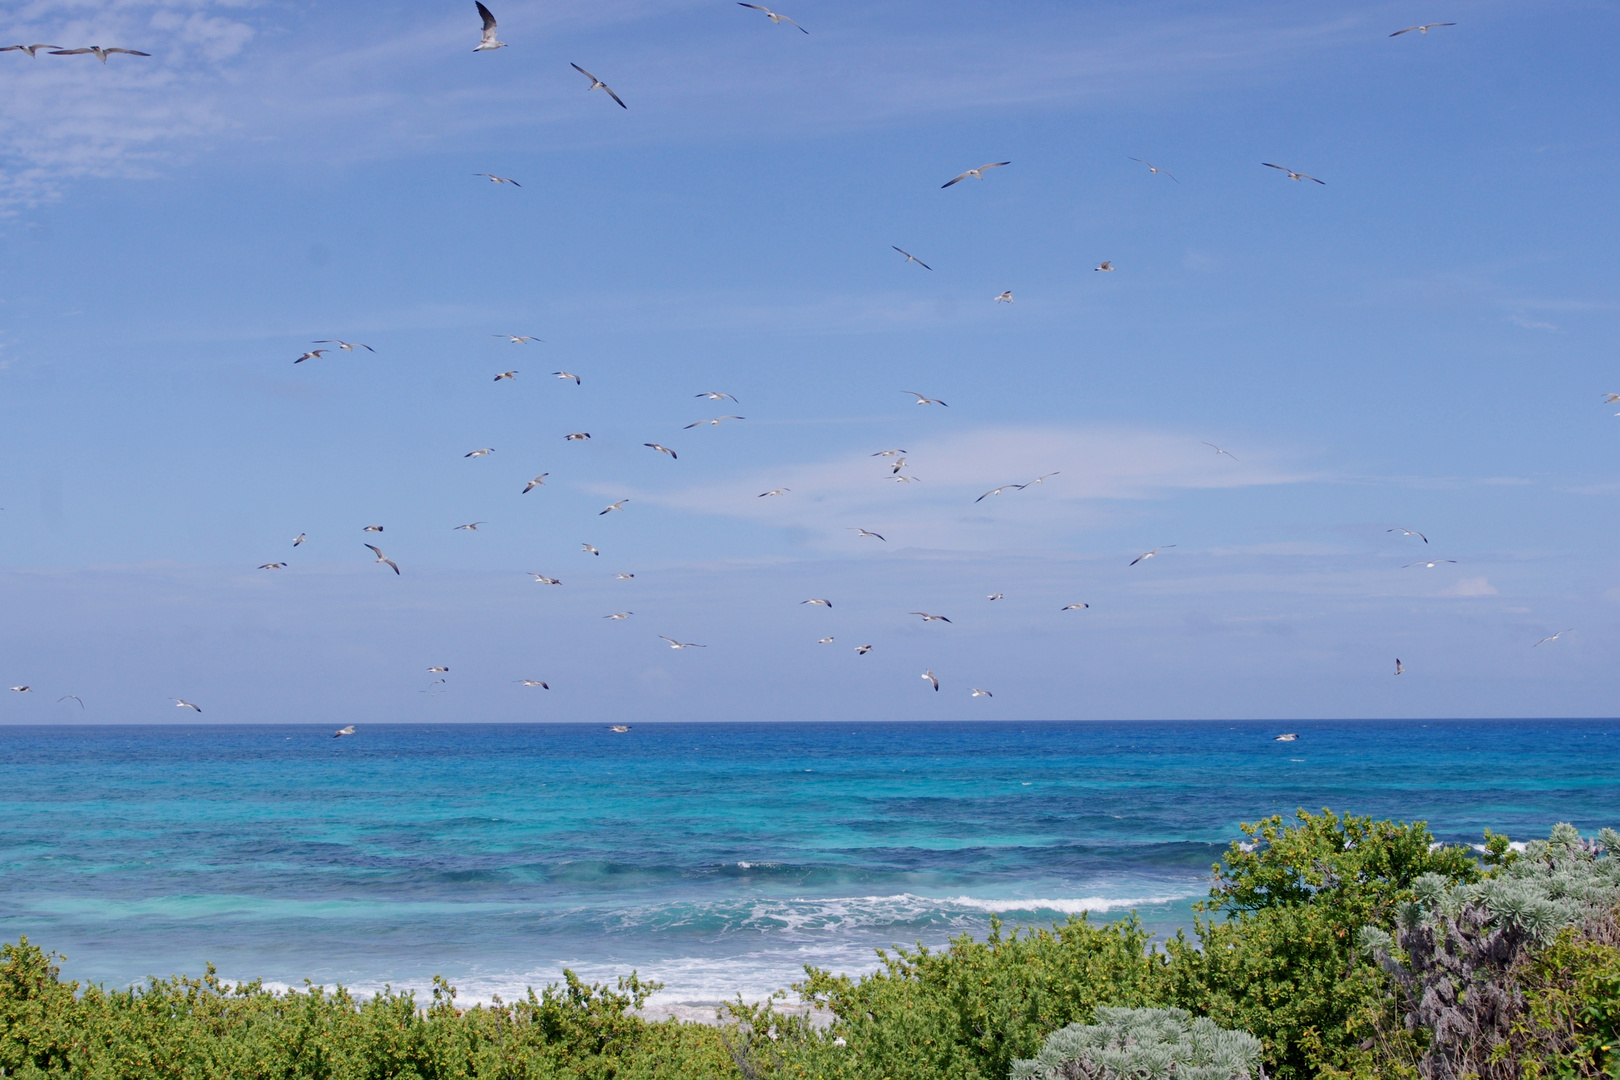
point(718, 858)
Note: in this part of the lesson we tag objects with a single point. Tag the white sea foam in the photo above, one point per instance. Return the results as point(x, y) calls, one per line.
point(1067, 906)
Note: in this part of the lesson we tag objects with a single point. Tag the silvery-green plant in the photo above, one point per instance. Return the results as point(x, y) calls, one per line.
point(1144, 1044)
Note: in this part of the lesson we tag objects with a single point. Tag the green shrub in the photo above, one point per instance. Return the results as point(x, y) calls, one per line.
point(1144, 1044)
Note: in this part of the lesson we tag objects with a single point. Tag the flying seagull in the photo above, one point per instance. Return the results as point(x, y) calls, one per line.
point(519, 339)
point(377, 551)
point(996, 596)
point(661, 449)
point(862, 650)
point(910, 258)
point(273, 566)
point(773, 491)
point(981, 693)
point(682, 644)
point(1105, 266)
point(65, 697)
point(182, 703)
point(1074, 607)
point(931, 677)
point(1429, 565)
point(568, 375)
point(487, 41)
point(714, 422)
point(869, 533)
point(619, 615)
point(534, 682)
point(773, 16)
point(587, 547)
point(1150, 554)
point(506, 375)
point(1543, 641)
point(906, 479)
point(977, 174)
point(713, 396)
point(929, 618)
point(888, 453)
point(498, 179)
point(625, 577)
point(619, 729)
point(342, 731)
point(538, 481)
point(485, 452)
point(899, 464)
point(372, 528)
point(23, 689)
point(541, 579)
point(1424, 29)
point(824, 641)
point(824, 603)
point(1044, 477)
point(1611, 398)
point(1400, 670)
point(313, 354)
point(1005, 298)
point(577, 436)
point(471, 526)
point(1287, 736)
point(31, 50)
point(299, 539)
point(598, 84)
point(101, 54)
point(921, 400)
point(612, 507)
point(1152, 168)
point(346, 346)
point(1292, 175)
point(438, 669)
point(1219, 451)
point(999, 490)
point(1409, 532)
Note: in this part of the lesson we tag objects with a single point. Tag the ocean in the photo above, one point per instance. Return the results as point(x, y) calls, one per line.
point(716, 858)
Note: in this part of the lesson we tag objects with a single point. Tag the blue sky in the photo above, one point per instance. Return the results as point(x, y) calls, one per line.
point(1424, 341)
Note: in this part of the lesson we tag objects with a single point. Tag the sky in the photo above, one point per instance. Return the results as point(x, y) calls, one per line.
point(1421, 342)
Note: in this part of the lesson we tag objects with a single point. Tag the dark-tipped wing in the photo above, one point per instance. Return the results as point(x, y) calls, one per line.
point(489, 20)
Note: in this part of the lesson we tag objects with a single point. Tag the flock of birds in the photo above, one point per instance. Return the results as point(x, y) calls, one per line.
point(489, 41)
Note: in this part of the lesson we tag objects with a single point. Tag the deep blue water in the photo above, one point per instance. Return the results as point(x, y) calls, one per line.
point(716, 857)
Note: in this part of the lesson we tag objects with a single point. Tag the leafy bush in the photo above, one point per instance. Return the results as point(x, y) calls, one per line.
point(1144, 1044)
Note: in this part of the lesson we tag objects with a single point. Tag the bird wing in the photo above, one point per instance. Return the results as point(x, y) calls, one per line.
point(70, 52)
point(489, 21)
point(583, 72)
point(131, 52)
point(614, 96)
point(994, 165)
point(956, 180)
point(1408, 30)
point(756, 7)
point(1269, 165)
point(924, 265)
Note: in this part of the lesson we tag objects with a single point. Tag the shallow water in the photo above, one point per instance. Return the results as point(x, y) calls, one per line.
point(718, 858)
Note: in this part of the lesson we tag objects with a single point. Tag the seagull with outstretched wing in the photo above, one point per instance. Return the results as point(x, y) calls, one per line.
point(377, 551)
point(910, 258)
point(31, 50)
point(923, 400)
point(773, 16)
point(977, 174)
point(598, 84)
point(682, 644)
point(100, 53)
point(1424, 29)
point(1292, 175)
point(1152, 168)
point(1150, 554)
point(487, 40)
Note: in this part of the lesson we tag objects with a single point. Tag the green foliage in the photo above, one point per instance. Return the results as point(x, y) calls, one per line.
point(1276, 941)
point(1144, 1044)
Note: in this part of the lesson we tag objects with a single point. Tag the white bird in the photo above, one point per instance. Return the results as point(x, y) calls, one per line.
point(981, 693)
point(999, 490)
point(346, 346)
point(1428, 565)
point(498, 179)
point(382, 558)
point(1152, 168)
point(921, 400)
point(506, 375)
point(487, 39)
point(1074, 607)
point(1555, 637)
point(342, 731)
point(471, 526)
point(587, 547)
point(1105, 266)
point(862, 650)
point(577, 436)
point(273, 566)
point(612, 507)
point(888, 453)
point(313, 354)
point(714, 422)
point(1292, 175)
point(569, 375)
point(534, 682)
point(929, 618)
point(625, 577)
point(438, 669)
point(65, 697)
point(996, 596)
point(977, 174)
point(1399, 669)
point(372, 528)
point(598, 84)
point(910, 258)
point(869, 533)
point(661, 449)
point(931, 677)
point(619, 729)
point(906, 479)
point(541, 579)
point(619, 615)
point(682, 644)
point(31, 50)
point(773, 491)
point(1287, 736)
point(1150, 554)
point(1611, 398)
point(773, 16)
point(824, 603)
point(1044, 477)
point(485, 452)
point(712, 396)
point(1409, 532)
point(1219, 451)
point(1424, 29)
point(100, 53)
point(899, 463)
point(519, 339)
point(299, 539)
point(182, 703)
point(824, 641)
point(23, 689)
point(538, 481)
point(1005, 298)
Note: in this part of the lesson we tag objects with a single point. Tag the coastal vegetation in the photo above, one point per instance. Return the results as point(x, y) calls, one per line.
point(1333, 947)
